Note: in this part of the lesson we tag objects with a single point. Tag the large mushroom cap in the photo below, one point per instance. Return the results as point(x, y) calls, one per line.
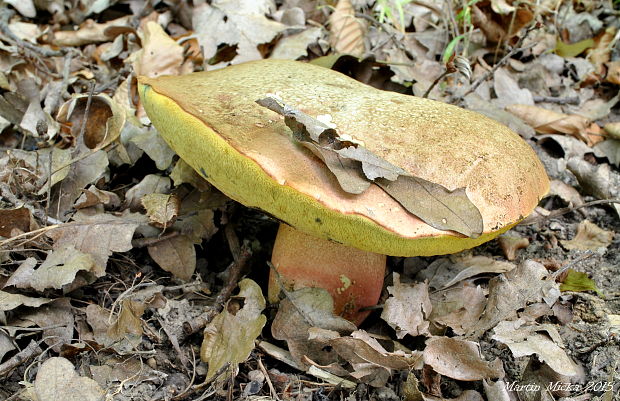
point(212, 121)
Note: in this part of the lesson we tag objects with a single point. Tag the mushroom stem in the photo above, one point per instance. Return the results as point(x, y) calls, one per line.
point(354, 278)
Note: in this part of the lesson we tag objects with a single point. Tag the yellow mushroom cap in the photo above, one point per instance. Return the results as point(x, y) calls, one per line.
point(212, 121)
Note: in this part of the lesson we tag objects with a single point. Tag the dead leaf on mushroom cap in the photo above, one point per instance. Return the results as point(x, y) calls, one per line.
point(356, 167)
point(431, 140)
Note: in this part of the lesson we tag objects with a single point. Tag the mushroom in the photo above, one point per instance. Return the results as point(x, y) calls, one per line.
point(328, 237)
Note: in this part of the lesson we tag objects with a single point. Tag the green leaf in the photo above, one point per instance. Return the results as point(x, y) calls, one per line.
point(579, 282)
point(572, 49)
point(450, 49)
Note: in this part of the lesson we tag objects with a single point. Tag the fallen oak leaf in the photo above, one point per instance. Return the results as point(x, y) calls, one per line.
point(435, 204)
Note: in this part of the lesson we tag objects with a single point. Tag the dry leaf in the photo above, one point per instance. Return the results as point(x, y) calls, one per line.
point(176, 255)
point(459, 307)
point(229, 337)
point(346, 31)
point(16, 221)
point(612, 130)
point(460, 360)
point(162, 209)
point(510, 292)
point(524, 340)
point(10, 301)
point(445, 272)
point(590, 237)
point(594, 180)
point(151, 183)
point(295, 46)
point(613, 72)
point(98, 235)
point(609, 149)
point(550, 122)
point(508, 91)
point(160, 54)
point(129, 320)
point(344, 157)
point(308, 307)
point(56, 321)
point(58, 380)
point(241, 25)
point(102, 125)
point(408, 308)
point(93, 196)
point(184, 173)
point(566, 192)
point(510, 244)
point(58, 269)
point(89, 32)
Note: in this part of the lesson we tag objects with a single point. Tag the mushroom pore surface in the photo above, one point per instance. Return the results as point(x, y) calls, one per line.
point(212, 121)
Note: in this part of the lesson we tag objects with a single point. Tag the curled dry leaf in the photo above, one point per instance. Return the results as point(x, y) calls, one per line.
point(550, 122)
point(16, 221)
point(460, 360)
point(408, 308)
point(590, 237)
point(102, 125)
point(612, 130)
point(57, 379)
point(356, 168)
point(346, 31)
point(510, 244)
point(89, 32)
point(609, 149)
point(566, 192)
point(230, 336)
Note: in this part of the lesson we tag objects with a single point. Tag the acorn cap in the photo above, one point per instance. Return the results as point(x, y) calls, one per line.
point(211, 119)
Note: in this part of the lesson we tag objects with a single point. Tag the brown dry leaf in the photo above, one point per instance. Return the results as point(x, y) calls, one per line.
point(408, 308)
point(9, 301)
point(129, 321)
point(550, 122)
point(93, 196)
point(16, 221)
point(240, 25)
point(510, 244)
point(493, 31)
point(613, 72)
point(445, 272)
point(89, 32)
point(160, 54)
point(6, 344)
point(59, 268)
point(355, 168)
point(197, 226)
point(508, 91)
point(98, 235)
point(590, 237)
point(460, 360)
point(162, 209)
point(346, 31)
point(86, 169)
point(525, 340)
point(100, 321)
point(57, 380)
point(308, 307)
point(511, 291)
point(459, 307)
point(230, 336)
point(566, 192)
point(103, 124)
point(154, 145)
point(176, 255)
point(609, 149)
point(496, 390)
point(151, 183)
point(593, 180)
point(57, 321)
point(295, 46)
point(121, 369)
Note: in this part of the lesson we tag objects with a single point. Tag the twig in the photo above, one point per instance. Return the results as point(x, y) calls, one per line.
point(565, 210)
point(399, 43)
point(274, 394)
point(517, 48)
point(198, 323)
point(558, 100)
point(436, 81)
point(150, 241)
point(22, 356)
point(175, 344)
